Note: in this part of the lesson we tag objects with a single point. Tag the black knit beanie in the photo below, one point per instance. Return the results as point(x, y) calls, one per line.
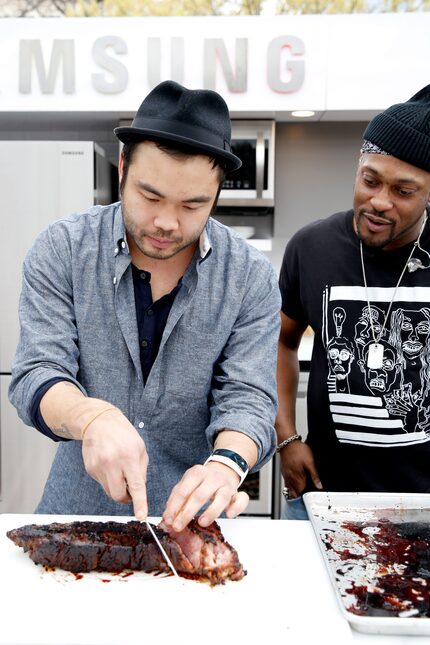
point(403, 130)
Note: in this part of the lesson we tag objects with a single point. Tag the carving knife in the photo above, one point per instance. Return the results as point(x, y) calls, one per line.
point(163, 552)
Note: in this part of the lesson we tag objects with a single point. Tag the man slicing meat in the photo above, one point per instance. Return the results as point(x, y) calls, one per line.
point(149, 331)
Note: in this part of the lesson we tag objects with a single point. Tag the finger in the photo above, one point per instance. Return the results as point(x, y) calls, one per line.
point(137, 491)
point(315, 477)
point(192, 505)
point(220, 502)
point(238, 504)
point(116, 486)
point(296, 485)
point(181, 492)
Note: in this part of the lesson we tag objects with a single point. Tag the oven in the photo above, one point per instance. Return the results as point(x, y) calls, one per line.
point(259, 487)
point(246, 201)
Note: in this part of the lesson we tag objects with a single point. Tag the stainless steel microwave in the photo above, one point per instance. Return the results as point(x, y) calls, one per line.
point(253, 184)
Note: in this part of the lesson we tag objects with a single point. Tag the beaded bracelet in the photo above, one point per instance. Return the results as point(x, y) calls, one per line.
point(294, 437)
point(84, 429)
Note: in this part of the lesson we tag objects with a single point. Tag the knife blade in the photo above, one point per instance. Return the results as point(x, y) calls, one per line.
point(163, 552)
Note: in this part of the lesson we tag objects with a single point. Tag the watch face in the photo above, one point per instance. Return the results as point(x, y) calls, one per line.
point(234, 456)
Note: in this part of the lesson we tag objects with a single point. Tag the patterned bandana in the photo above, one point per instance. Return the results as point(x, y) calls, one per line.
point(371, 148)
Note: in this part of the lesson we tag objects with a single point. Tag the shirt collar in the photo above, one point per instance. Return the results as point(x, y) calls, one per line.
point(204, 243)
point(119, 236)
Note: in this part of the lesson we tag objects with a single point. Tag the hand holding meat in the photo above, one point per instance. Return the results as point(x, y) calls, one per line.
point(115, 455)
point(213, 483)
point(298, 465)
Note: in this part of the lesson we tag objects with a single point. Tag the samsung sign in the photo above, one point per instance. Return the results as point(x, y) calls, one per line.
point(109, 52)
point(269, 65)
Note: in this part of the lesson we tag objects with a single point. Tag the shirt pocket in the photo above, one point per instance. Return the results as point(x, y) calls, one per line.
point(190, 357)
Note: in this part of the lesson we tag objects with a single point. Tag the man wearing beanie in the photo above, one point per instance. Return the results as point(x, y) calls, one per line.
point(149, 331)
point(361, 280)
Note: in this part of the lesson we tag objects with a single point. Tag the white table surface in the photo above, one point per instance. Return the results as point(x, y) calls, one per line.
point(285, 598)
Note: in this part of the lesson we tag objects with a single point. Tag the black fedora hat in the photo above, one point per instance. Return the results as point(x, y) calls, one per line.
point(198, 119)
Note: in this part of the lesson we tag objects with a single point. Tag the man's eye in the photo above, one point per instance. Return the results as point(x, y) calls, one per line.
point(404, 192)
point(369, 182)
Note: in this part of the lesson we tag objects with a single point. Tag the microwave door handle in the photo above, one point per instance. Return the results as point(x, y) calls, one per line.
point(259, 161)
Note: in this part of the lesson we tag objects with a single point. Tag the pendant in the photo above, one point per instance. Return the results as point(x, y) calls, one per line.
point(375, 356)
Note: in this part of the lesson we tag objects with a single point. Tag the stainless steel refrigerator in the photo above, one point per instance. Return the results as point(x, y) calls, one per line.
point(40, 181)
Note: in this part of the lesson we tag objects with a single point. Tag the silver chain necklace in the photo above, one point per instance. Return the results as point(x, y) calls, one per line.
point(375, 356)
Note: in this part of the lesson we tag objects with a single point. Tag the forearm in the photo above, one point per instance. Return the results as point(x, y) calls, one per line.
point(66, 410)
point(287, 377)
point(238, 442)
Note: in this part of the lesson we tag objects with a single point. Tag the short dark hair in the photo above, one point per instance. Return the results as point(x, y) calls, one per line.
point(177, 150)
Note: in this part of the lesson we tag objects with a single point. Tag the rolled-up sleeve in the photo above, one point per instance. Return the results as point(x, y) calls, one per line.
point(244, 396)
point(48, 345)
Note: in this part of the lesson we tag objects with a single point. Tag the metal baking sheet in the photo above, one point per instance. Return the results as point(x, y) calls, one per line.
point(375, 548)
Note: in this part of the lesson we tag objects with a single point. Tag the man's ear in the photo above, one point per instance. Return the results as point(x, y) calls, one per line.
point(121, 166)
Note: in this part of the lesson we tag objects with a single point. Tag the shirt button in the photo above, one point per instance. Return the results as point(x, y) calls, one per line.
point(116, 250)
point(150, 312)
point(123, 244)
point(141, 424)
point(144, 343)
point(143, 275)
point(114, 280)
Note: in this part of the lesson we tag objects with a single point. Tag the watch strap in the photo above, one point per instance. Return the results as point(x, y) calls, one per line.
point(231, 459)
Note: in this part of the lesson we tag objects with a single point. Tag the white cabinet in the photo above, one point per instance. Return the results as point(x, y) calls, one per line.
point(26, 458)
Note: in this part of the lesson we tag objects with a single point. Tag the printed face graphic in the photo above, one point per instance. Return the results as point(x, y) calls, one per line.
point(363, 329)
point(340, 357)
point(380, 379)
point(414, 332)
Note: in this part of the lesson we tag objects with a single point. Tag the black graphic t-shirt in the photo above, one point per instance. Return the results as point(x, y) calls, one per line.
point(369, 421)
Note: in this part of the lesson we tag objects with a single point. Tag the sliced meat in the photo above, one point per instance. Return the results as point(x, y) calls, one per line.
point(116, 546)
point(208, 551)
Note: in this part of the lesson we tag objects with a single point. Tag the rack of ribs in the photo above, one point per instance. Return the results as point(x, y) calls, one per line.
point(196, 552)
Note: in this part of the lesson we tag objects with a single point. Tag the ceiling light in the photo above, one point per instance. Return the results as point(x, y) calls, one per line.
point(303, 114)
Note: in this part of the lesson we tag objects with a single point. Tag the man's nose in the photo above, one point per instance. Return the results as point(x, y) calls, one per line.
point(382, 200)
point(167, 219)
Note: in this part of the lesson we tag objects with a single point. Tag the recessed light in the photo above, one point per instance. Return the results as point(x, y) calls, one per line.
point(303, 114)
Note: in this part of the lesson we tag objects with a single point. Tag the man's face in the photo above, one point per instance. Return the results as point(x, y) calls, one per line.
point(389, 201)
point(166, 200)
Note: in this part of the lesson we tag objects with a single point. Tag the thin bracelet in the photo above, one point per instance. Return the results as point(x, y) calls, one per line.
point(294, 437)
point(84, 429)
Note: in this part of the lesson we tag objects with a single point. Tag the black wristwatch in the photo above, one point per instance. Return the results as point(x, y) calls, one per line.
point(232, 460)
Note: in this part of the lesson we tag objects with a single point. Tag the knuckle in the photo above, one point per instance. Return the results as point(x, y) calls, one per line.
point(106, 461)
point(201, 495)
point(197, 469)
point(136, 485)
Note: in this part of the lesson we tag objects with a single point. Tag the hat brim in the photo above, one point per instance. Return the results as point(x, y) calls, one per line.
point(129, 134)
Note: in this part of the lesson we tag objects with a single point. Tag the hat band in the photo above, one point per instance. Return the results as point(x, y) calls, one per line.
point(200, 136)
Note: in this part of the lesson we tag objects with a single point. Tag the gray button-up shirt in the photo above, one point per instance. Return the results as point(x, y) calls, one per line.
point(216, 366)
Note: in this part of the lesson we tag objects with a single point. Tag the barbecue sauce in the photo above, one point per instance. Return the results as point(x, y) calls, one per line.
point(400, 553)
